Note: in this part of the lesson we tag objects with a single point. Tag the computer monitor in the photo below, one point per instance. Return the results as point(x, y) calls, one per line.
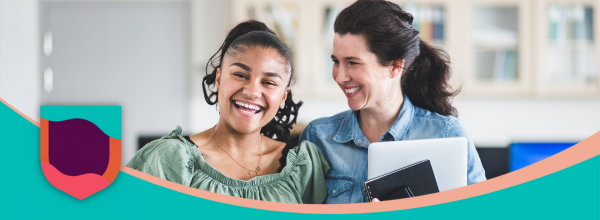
point(525, 154)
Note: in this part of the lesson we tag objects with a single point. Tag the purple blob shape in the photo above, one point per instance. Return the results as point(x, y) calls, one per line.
point(78, 146)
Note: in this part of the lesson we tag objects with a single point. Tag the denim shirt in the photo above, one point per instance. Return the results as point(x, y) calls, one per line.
point(345, 147)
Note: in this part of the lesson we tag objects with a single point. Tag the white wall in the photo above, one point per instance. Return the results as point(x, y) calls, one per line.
point(134, 54)
point(19, 55)
point(496, 122)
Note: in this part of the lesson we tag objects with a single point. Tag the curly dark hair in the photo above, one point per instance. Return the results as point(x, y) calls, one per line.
point(251, 34)
point(390, 36)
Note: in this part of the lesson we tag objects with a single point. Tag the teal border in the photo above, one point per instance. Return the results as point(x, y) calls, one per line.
point(572, 193)
point(107, 118)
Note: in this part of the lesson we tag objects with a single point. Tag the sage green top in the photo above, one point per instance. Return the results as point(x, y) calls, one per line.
point(173, 158)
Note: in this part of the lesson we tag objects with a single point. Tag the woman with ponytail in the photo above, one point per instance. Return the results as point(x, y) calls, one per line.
point(248, 153)
point(396, 86)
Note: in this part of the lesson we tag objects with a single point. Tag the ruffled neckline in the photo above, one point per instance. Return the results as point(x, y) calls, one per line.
point(296, 157)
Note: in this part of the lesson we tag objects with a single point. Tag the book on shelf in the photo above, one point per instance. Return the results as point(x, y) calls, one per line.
point(426, 24)
point(589, 27)
point(429, 20)
point(438, 23)
point(570, 23)
point(505, 66)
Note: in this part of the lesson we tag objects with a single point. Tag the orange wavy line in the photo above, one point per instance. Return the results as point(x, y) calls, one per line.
point(20, 113)
point(580, 152)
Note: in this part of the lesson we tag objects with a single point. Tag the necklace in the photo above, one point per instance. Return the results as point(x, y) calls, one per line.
point(258, 152)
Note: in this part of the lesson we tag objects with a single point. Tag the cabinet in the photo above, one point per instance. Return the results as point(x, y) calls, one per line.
point(496, 54)
point(497, 47)
point(567, 46)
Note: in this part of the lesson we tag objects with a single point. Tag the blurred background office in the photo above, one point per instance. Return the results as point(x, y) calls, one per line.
point(528, 69)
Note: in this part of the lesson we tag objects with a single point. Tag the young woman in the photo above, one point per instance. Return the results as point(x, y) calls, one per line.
point(239, 155)
point(396, 86)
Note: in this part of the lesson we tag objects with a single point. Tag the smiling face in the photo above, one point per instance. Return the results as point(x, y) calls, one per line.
point(358, 72)
point(252, 84)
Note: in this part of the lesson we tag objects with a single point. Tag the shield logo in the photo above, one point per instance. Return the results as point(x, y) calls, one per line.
point(80, 147)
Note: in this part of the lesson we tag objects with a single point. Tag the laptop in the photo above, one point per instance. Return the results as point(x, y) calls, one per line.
point(448, 158)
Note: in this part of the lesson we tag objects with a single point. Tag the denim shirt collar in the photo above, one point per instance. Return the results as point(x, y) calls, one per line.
point(350, 130)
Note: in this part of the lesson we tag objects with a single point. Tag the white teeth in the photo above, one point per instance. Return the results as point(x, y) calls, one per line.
point(353, 90)
point(248, 106)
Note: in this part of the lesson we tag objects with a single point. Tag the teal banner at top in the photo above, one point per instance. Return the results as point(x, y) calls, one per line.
point(107, 118)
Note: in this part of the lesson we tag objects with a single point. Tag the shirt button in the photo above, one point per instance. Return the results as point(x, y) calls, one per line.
point(359, 140)
point(333, 191)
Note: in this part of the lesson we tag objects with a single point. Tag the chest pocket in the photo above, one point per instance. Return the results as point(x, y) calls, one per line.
point(339, 189)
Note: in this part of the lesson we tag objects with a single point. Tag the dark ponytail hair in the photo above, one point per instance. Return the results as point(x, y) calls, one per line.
point(246, 35)
point(389, 34)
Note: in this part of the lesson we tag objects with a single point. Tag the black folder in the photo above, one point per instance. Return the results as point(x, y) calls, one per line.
point(413, 180)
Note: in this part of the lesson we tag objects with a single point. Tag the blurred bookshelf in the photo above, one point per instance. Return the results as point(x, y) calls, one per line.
point(429, 19)
point(495, 42)
point(497, 47)
point(568, 61)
